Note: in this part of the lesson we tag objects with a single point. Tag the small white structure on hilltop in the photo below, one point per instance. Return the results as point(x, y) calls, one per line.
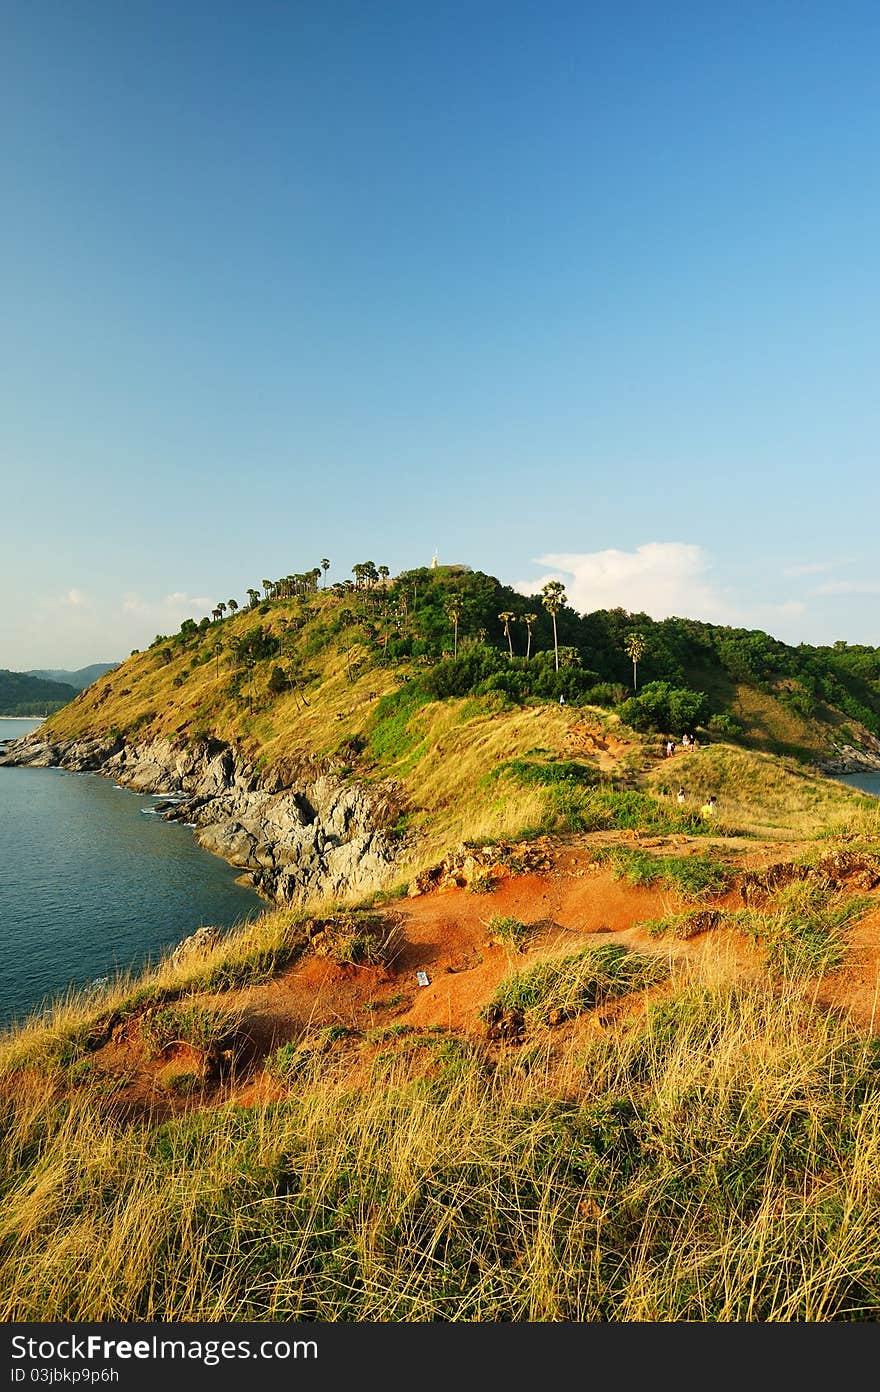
point(459, 569)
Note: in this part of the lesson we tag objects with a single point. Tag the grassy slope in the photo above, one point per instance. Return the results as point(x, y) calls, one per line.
point(438, 753)
point(628, 1172)
point(441, 754)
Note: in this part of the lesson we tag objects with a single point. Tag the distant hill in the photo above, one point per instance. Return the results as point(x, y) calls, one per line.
point(83, 677)
point(23, 694)
point(294, 657)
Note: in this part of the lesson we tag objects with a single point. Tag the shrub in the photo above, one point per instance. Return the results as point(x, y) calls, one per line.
point(197, 1025)
point(660, 706)
point(509, 930)
point(568, 986)
point(723, 723)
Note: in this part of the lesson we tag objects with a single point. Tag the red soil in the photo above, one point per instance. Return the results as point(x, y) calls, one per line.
point(445, 935)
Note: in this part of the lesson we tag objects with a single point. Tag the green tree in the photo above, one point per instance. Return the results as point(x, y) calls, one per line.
point(325, 566)
point(277, 681)
point(528, 620)
point(454, 610)
point(553, 597)
point(635, 647)
point(507, 618)
point(233, 605)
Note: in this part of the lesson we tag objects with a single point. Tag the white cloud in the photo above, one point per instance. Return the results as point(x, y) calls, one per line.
point(847, 587)
point(661, 578)
point(176, 606)
point(73, 599)
point(664, 579)
point(811, 568)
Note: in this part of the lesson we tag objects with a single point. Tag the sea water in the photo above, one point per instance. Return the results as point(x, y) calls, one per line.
point(89, 885)
point(865, 782)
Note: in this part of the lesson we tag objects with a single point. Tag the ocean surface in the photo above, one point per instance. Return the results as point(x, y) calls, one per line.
point(867, 782)
point(92, 882)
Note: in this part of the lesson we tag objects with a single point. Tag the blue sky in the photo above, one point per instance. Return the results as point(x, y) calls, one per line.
point(574, 289)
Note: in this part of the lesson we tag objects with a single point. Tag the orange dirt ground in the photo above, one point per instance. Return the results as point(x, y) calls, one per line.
point(445, 934)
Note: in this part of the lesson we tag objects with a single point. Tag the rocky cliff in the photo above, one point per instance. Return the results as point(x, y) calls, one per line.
point(293, 831)
point(848, 759)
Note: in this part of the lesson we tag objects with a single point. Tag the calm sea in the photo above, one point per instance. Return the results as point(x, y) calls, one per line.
point(91, 882)
point(866, 782)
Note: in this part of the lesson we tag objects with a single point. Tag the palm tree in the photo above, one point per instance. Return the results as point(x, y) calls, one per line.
point(233, 605)
point(325, 566)
point(507, 618)
point(528, 620)
point(553, 598)
point(221, 608)
point(454, 610)
point(254, 597)
point(267, 585)
point(635, 647)
point(215, 614)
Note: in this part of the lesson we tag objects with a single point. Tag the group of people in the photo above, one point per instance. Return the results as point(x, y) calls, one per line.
point(687, 742)
point(707, 810)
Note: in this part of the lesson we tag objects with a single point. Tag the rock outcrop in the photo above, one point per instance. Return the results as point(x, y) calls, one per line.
point(469, 867)
point(294, 831)
point(848, 759)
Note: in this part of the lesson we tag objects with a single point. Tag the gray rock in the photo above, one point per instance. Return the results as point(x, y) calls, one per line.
point(295, 839)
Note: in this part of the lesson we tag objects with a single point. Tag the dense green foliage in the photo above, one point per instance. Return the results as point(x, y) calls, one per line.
point(680, 657)
point(461, 632)
point(22, 694)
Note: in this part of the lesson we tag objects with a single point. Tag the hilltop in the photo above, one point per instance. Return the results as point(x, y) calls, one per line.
point(520, 1035)
point(81, 677)
point(247, 671)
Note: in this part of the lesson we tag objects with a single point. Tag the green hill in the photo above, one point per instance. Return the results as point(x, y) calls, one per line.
point(440, 632)
point(82, 677)
point(23, 694)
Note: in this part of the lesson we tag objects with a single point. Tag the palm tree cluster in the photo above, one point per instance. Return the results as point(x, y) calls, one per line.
point(387, 604)
point(293, 586)
point(367, 574)
point(288, 587)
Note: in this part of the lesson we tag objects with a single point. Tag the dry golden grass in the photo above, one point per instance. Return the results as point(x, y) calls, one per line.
point(461, 742)
point(765, 795)
point(710, 1156)
point(711, 1159)
point(773, 727)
